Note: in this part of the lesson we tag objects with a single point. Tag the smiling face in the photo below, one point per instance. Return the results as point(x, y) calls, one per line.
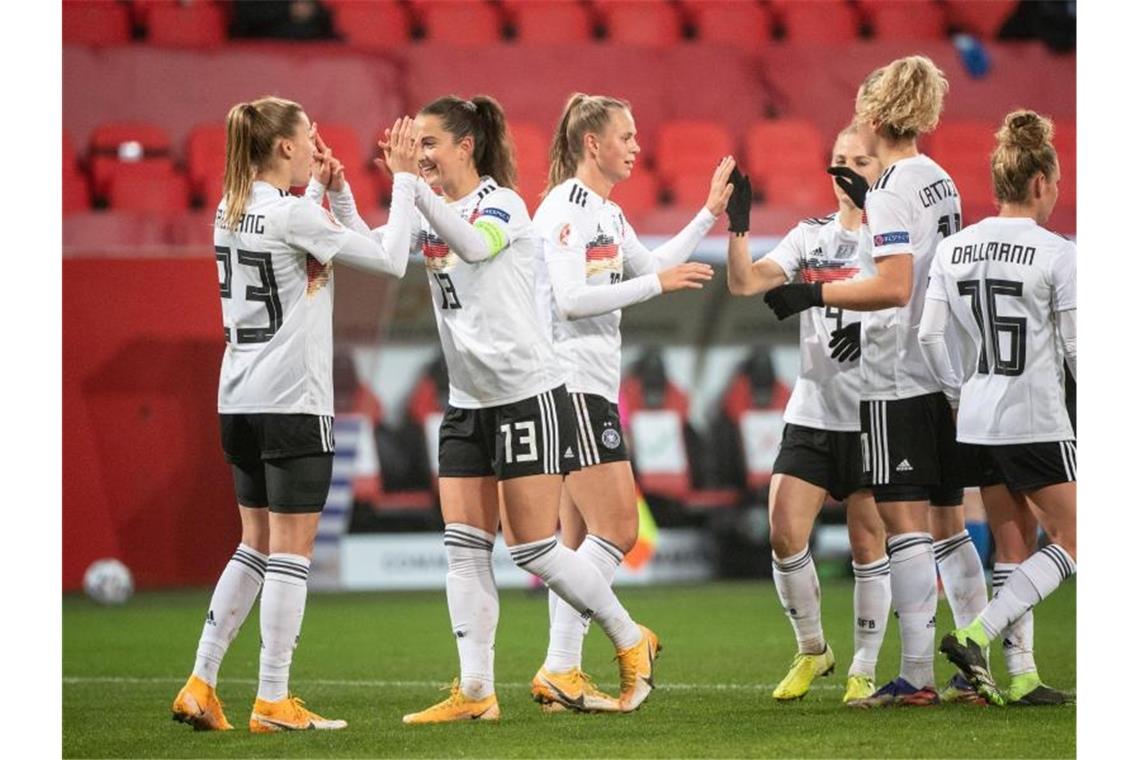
point(851, 151)
point(615, 150)
point(442, 159)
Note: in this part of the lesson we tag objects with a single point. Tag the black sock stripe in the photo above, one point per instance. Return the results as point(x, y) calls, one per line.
point(607, 547)
point(251, 557)
point(467, 537)
point(1059, 556)
point(897, 546)
point(288, 563)
point(945, 550)
point(255, 568)
point(788, 567)
point(287, 569)
point(289, 573)
point(1055, 560)
point(523, 558)
point(466, 545)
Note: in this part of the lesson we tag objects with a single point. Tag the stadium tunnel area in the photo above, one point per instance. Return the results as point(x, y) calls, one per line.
point(146, 89)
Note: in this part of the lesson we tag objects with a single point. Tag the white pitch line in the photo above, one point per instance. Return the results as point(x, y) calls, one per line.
point(429, 684)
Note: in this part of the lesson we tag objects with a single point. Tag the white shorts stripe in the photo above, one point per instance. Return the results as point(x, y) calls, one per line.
point(544, 408)
point(1069, 459)
point(583, 458)
point(556, 438)
point(882, 453)
point(589, 432)
point(588, 457)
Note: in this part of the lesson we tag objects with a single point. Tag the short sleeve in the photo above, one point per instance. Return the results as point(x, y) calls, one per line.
point(936, 286)
point(789, 252)
point(888, 216)
point(315, 231)
point(501, 217)
point(1065, 278)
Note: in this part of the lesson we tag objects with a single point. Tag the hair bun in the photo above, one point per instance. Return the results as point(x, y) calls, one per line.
point(1026, 130)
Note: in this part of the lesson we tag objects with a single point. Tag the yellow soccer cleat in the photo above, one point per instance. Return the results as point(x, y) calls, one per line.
point(858, 687)
point(457, 707)
point(805, 669)
point(636, 668)
point(197, 704)
point(289, 714)
point(572, 690)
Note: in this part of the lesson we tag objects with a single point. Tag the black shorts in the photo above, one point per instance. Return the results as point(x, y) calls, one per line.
point(909, 450)
point(829, 459)
point(535, 436)
point(1022, 467)
point(279, 461)
point(600, 437)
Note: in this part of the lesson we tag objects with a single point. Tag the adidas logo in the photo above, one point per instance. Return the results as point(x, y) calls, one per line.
point(569, 453)
point(904, 466)
point(210, 618)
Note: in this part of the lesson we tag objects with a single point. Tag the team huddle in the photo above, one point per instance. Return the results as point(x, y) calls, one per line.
point(931, 360)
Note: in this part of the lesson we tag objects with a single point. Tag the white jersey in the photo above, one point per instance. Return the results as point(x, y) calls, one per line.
point(495, 350)
point(1005, 279)
point(912, 206)
point(588, 249)
point(826, 394)
point(275, 273)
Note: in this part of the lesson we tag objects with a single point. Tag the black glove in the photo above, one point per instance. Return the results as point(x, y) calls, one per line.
point(740, 202)
point(851, 183)
point(787, 300)
point(845, 345)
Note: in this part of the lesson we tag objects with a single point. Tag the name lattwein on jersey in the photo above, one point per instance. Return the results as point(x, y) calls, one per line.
point(252, 224)
point(937, 191)
point(993, 251)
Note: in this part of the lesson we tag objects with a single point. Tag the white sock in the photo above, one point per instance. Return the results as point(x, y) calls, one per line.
point(872, 610)
point(473, 602)
point(797, 585)
point(567, 627)
point(1029, 583)
point(1017, 642)
point(963, 578)
point(914, 592)
point(580, 585)
point(282, 609)
point(229, 606)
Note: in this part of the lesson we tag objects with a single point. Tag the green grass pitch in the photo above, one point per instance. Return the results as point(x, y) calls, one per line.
point(370, 658)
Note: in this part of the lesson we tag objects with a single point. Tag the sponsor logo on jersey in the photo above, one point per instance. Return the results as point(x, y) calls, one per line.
point(317, 275)
point(611, 438)
point(437, 255)
point(891, 238)
point(602, 255)
point(498, 213)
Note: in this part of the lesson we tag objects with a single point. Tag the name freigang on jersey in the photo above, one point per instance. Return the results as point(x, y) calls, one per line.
point(913, 205)
point(495, 350)
point(276, 284)
point(826, 393)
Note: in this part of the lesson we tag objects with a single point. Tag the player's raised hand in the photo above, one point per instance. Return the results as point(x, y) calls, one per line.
point(336, 175)
point(851, 183)
point(322, 168)
point(385, 146)
point(402, 149)
point(683, 276)
point(740, 202)
point(720, 190)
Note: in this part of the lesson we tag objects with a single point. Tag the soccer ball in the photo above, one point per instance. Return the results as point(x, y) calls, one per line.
point(108, 581)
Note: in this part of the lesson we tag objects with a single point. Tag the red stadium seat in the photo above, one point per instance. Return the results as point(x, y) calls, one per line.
point(809, 191)
point(1065, 141)
point(206, 161)
point(95, 23)
point(531, 151)
point(687, 153)
point(377, 25)
point(197, 25)
point(151, 186)
point(70, 162)
point(638, 194)
point(963, 149)
point(744, 25)
point(906, 20)
point(114, 143)
point(784, 145)
point(547, 22)
point(75, 197)
point(460, 22)
point(823, 21)
point(640, 24)
point(982, 18)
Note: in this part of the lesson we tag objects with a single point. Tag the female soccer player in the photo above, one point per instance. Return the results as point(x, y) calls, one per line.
point(820, 453)
point(587, 249)
point(906, 424)
point(508, 431)
point(275, 254)
point(1007, 288)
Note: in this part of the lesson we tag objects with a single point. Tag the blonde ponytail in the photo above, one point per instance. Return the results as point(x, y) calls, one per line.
point(904, 98)
point(582, 114)
point(251, 132)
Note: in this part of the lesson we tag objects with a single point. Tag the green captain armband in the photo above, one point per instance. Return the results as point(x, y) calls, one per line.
point(493, 234)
